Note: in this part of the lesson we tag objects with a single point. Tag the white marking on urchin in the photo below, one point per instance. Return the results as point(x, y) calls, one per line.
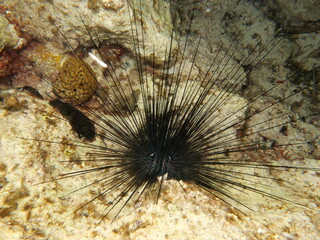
point(99, 61)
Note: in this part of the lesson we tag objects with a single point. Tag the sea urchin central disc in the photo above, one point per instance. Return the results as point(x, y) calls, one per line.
point(162, 146)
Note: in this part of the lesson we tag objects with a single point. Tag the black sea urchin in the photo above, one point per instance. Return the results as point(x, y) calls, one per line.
point(169, 119)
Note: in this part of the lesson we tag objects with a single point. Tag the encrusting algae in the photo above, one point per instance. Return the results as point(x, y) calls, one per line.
point(73, 80)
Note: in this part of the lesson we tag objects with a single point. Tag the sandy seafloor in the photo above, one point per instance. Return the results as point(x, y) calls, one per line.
point(45, 211)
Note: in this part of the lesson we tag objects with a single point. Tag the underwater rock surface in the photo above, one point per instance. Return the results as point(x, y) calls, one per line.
point(44, 211)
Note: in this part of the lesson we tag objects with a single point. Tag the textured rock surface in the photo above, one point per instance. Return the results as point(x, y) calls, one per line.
point(295, 17)
point(112, 20)
point(9, 38)
point(45, 211)
point(10, 42)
